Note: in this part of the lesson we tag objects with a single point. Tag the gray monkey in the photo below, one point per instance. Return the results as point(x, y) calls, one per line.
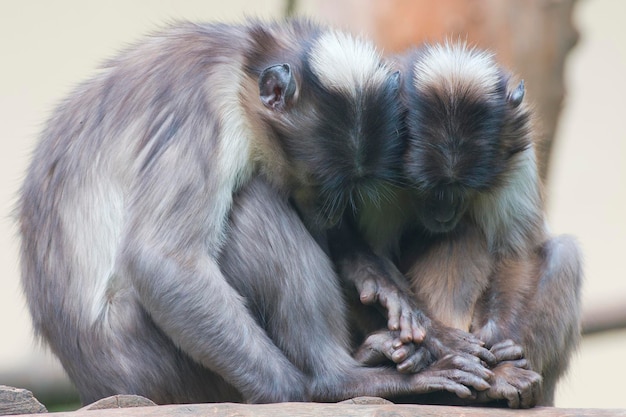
point(130, 264)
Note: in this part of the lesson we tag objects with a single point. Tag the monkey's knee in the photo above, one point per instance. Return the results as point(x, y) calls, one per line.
point(562, 264)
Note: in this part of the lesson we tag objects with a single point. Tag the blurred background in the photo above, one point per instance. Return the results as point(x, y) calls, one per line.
point(572, 55)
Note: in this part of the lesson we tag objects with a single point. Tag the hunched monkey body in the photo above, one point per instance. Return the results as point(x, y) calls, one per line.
point(469, 232)
point(131, 258)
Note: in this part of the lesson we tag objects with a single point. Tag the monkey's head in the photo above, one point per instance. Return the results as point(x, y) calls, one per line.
point(465, 127)
point(337, 115)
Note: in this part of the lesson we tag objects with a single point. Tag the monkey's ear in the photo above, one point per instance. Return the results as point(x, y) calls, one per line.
point(516, 97)
point(277, 86)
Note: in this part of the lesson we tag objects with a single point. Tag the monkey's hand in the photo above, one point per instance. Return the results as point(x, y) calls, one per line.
point(383, 346)
point(518, 386)
point(509, 351)
point(380, 282)
point(433, 340)
point(441, 340)
point(513, 381)
point(454, 374)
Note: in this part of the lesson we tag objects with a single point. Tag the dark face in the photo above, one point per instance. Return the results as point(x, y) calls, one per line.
point(346, 143)
point(459, 145)
point(354, 147)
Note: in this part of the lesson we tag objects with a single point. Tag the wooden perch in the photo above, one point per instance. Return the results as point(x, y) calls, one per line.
point(335, 410)
point(135, 406)
point(18, 401)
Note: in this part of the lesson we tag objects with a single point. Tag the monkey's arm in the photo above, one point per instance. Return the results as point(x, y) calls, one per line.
point(176, 220)
point(414, 340)
point(376, 280)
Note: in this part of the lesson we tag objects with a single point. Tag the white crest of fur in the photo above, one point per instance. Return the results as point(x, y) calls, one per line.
point(454, 66)
point(346, 63)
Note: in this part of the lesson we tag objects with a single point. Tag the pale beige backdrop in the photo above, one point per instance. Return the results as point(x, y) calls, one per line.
point(47, 47)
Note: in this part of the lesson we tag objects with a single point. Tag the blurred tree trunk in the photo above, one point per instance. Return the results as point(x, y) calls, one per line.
point(531, 37)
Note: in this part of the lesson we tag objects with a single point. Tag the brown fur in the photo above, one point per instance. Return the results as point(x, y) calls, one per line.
point(475, 247)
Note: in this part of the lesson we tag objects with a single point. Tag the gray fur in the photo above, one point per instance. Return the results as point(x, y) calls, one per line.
point(133, 272)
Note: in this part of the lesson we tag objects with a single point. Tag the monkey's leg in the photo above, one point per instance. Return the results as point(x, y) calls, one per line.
point(545, 322)
point(126, 353)
point(552, 329)
point(209, 320)
point(89, 313)
point(95, 323)
point(290, 286)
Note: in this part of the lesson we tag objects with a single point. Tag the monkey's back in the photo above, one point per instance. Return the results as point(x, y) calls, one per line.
point(178, 92)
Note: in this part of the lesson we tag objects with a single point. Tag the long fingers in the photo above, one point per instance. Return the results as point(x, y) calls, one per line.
point(414, 362)
point(519, 387)
point(507, 351)
point(402, 315)
point(457, 381)
point(426, 384)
